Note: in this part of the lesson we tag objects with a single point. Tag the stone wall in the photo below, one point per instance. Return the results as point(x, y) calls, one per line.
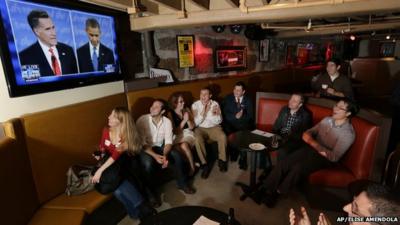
point(206, 40)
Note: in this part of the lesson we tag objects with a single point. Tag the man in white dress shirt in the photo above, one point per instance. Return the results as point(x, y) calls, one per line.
point(207, 117)
point(156, 130)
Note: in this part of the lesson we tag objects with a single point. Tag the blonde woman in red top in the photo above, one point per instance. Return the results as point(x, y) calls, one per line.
point(120, 144)
point(119, 137)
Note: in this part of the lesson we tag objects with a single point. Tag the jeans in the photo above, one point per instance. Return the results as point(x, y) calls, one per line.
point(130, 197)
point(150, 166)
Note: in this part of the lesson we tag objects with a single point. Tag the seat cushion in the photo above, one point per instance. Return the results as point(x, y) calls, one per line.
point(58, 216)
point(17, 190)
point(87, 202)
point(59, 138)
point(318, 112)
point(359, 158)
point(338, 176)
point(267, 112)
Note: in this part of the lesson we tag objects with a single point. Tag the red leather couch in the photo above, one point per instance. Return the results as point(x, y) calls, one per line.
point(364, 159)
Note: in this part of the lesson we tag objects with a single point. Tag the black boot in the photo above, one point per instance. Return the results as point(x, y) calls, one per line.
point(258, 195)
point(223, 165)
point(205, 171)
point(145, 210)
point(270, 199)
point(243, 160)
point(234, 154)
point(153, 197)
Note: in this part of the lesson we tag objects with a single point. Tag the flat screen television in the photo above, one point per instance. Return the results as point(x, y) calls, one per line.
point(55, 45)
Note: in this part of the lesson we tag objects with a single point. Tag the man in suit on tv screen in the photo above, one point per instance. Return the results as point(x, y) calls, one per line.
point(94, 56)
point(52, 57)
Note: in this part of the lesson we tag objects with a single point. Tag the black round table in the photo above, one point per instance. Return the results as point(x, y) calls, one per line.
point(242, 140)
point(186, 215)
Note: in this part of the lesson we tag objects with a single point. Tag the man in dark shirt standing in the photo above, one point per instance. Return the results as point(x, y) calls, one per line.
point(292, 121)
point(332, 84)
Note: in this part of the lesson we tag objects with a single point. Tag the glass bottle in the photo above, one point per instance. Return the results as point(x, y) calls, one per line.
point(231, 217)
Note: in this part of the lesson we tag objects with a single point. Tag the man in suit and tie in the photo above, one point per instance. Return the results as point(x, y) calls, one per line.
point(94, 56)
point(238, 115)
point(52, 57)
point(238, 110)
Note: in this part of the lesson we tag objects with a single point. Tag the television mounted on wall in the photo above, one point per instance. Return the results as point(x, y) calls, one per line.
point(55, 45)
point(229, 58)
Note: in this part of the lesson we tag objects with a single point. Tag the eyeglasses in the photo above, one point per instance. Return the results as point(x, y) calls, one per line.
point(354, 209)
point(341, 108)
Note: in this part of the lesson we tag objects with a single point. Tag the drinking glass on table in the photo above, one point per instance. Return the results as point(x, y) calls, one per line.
point(275, 141)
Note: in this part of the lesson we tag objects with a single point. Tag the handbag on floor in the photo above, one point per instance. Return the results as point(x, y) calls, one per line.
point(79, 180)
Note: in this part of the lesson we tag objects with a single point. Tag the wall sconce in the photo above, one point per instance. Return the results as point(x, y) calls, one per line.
point(309, 25)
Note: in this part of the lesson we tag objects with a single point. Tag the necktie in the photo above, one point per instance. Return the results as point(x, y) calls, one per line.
point(238, 105)
point(95, 60)
point(54, 63)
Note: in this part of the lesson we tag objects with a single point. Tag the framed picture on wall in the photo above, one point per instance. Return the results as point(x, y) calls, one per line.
point(387, 49)
point(228, 58)
point(264, 50)
point(291, 54)
point(303, 53)
point(185, 46)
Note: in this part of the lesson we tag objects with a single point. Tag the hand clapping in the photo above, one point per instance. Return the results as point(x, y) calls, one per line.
point(302, 219)
point(239, 114)
point(323, 220)
point(216, 110)
point(330, 91)
point(206, 109)
point(186, 116)
point(159, 158)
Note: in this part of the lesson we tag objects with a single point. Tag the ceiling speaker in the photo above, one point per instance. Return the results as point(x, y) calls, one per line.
point(218, 28)
point(236, 28)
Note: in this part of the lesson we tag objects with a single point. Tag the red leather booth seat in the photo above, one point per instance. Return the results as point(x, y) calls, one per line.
point(357, 163)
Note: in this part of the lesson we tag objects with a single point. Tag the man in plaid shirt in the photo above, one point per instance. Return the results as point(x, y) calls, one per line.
point(292, 121)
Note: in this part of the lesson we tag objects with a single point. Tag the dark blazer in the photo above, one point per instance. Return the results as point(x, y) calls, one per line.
point(303, 123)
point(342, 84)
point(106, 56)
point(230, 108)
point(34, 55)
